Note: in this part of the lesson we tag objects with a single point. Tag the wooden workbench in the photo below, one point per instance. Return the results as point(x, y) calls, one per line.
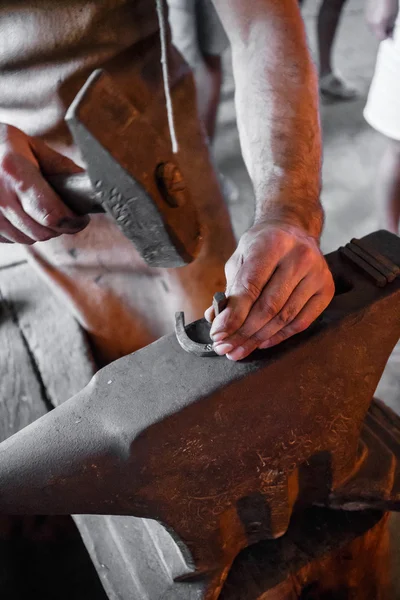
point(45, 359)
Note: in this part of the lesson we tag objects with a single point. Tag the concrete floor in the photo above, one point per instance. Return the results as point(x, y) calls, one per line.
point(351, 151)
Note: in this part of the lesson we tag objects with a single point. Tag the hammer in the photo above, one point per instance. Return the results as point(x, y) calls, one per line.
point(132, 175)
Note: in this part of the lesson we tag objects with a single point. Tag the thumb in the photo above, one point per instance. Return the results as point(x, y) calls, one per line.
point(244, 285)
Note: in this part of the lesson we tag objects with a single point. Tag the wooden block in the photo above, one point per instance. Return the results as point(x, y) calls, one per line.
point(55, 341)
point(21, 396)
point(40, 556)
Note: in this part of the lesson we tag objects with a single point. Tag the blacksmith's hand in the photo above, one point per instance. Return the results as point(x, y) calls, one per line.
point(30, 210)
point(278, 283)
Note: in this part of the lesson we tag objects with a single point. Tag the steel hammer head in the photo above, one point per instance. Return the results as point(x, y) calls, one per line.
point(134, 174)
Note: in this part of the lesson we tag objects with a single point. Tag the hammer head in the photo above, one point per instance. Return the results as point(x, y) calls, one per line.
point(134, 174)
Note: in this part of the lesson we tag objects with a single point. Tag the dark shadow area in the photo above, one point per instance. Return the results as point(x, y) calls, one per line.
point(311, 535)
point(44, 557)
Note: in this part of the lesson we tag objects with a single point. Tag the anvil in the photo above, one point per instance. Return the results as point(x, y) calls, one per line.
point(222, 453)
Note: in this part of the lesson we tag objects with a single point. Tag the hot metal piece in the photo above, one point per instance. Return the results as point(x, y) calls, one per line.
point(223, 452)
point(197, 348)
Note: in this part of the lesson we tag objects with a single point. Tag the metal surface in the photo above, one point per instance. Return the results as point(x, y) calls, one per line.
point(219, 302)
point(132, 175)
point(200, 344)
point(383, 260)
point(376, 266)
point(363, 265)
point(376, 481)
point(220, 452)
point(76, 192)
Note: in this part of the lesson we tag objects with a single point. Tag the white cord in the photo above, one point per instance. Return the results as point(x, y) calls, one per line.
point(163, 39)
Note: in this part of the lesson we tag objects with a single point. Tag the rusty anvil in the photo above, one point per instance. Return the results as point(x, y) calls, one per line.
point(150, 203)
point(222, 453)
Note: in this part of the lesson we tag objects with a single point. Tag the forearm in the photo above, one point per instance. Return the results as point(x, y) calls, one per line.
point(277, 113)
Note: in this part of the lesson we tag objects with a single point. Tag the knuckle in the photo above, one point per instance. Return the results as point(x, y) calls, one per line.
point(259, 337)
point(269, 308)
point(240, 338)
point(251, 289)
point(233, 323)
point(51, 218)
point(306, 254)
point(300, 325)
point(283, 319)
point(281, 240)
point(286, 316)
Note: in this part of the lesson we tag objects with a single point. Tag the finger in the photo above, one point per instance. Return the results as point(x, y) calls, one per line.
point(298, 299)
point(270, 303)
point(12, 234)
point(314, 307)
point(15, 214)
point(38, 199)
point(50, 161)
point(242, 293)
point(209, 314)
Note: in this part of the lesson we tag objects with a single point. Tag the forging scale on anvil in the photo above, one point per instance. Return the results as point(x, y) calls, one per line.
point(224, 454)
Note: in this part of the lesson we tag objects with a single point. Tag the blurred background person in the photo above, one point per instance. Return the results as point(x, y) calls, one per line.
point(331, 84)
point(382, 110)
point(198, 34)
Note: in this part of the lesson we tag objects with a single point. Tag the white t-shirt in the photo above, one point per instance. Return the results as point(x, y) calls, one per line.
point(382, 110)
point(49, 47)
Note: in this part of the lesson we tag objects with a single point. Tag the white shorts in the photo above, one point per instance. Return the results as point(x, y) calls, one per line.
point(196, 29)
point(382, 110)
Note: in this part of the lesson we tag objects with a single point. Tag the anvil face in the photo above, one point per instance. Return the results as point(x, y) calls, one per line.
point(219, 452)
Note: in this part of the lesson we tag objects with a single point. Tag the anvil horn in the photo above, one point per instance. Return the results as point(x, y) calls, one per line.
point(218, 451)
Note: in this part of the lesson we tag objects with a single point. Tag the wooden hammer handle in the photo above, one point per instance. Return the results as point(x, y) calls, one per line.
point(76, 192)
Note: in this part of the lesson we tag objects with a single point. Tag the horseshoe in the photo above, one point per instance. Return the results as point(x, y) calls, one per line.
point(219, 303)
